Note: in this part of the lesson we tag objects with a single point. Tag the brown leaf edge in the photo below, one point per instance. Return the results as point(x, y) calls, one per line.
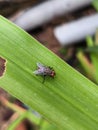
point(2, 66)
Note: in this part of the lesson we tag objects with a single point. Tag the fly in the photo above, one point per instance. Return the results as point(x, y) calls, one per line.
point(44, 71)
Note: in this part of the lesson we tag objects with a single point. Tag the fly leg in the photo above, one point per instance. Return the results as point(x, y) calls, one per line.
point(43, 78)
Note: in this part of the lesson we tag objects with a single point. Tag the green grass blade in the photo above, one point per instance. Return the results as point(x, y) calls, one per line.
point(94, 56)
point(16, 122)
point(93, 49)
point(69, 100)
point(86, 65)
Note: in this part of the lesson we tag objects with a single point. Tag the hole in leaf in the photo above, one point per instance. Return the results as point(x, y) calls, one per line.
point(2, 66)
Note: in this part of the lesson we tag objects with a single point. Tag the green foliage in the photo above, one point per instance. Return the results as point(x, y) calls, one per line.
point(69, 100)
point(95, 4)
point(93, 47)
point(16, 122)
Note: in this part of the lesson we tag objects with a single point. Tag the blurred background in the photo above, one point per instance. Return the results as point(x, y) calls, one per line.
point(63, 27)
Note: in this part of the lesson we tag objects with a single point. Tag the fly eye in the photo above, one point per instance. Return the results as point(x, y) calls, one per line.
point(53, 74)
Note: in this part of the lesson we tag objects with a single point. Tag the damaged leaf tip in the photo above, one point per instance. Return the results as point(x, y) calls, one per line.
point(2, 66)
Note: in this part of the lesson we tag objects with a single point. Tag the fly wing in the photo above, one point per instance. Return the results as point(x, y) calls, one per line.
point(37, 72)
point(40, 65)
point(40, 70)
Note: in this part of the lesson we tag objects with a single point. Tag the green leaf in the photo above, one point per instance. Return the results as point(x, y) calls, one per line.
point(94, 56)
point(93, 49)
point(16, 122)
point(87, 66)
point(69, 100)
